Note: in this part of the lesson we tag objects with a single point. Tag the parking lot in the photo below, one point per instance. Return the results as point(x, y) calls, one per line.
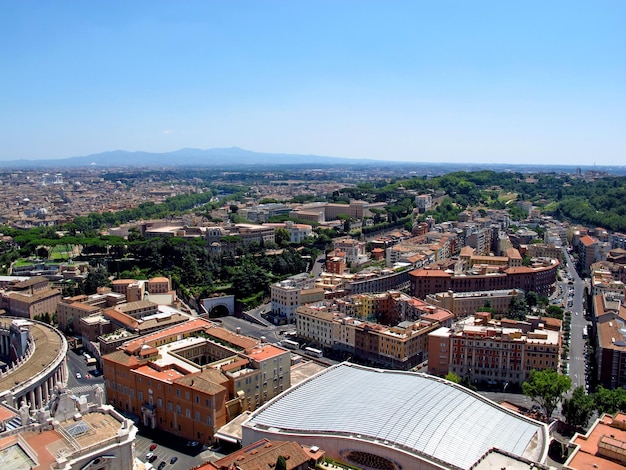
point(165, 447)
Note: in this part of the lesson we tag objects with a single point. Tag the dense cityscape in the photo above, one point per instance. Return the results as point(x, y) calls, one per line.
point(312, 235)
point(206, 318)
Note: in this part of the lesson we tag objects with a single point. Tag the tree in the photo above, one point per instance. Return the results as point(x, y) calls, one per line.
point(452, 377)
point(518, 309)
point(97, 277)
point(346, 225)
point(578, 409)
point(554, 311)
point(282, 236)
point(546, 388)
point(281, 463)
point(609, 401)
point(532, 299)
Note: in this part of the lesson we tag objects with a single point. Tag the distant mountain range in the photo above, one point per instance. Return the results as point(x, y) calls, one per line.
point(216, 157)
point(235, 157)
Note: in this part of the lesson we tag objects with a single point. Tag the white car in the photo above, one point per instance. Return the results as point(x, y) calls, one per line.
point(78, 376)
point(149, 455)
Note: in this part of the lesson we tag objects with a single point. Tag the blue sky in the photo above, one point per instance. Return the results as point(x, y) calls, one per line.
point(449, 81)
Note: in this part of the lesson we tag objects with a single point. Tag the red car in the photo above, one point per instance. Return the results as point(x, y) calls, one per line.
point(153, 446)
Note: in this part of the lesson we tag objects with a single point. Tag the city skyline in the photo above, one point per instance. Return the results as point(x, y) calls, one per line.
point(408, 81)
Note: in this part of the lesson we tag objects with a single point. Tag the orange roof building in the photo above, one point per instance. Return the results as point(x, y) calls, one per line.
point(603, 447)
point(264, 454)
point(192, 378)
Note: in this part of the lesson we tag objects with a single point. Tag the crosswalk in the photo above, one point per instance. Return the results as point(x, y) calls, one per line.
point(83, 390)
point(15, 423)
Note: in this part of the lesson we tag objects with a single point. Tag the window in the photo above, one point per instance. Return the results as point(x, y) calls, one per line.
point(170, 406)
point(178, 409)
point(140, 395)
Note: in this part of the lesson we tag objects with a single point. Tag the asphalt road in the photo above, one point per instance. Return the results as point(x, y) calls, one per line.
point(76, 363)
point(271, 332)
point(169, 446)
point(577, 359)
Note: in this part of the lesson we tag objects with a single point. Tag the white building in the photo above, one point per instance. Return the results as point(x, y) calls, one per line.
point(398, 420)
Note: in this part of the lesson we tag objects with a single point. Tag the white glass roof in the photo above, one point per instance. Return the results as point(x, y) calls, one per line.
point(413, 412)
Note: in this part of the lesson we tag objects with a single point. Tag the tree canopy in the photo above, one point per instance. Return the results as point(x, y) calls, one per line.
point(578, 409)
point(546, 388)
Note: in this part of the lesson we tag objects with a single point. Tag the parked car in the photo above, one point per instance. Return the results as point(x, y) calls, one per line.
point(173, 460)
point(152, 447)
point(162, 465)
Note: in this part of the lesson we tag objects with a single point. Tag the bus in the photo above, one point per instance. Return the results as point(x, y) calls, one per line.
point(91, 362)
point(290, 344)
point(313, 352)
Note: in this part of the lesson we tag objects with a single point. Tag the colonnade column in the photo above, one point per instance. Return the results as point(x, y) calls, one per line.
point(39, 397)
point(46, 392)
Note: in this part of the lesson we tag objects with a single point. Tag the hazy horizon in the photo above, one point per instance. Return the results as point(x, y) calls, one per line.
point(445, 82)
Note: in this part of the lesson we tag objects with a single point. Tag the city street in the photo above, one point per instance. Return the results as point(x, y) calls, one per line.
point(577, 359)
point(271, 333)
point(167, 447)
point(83, 385)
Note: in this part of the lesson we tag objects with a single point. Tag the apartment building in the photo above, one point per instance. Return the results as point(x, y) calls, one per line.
point(354, 250)
point(545, 250)
point(618, 240)
point(379, 280)
point(539, 277)
point(587, 253)
point(610, 325)
point(488, 351)
point(253, 233)
point(463, 304)
point(423, 202)
point(603, 282)
point(287, 296)
point(398, 347)
point(297, 232)
point(70, 310)
point(31, 304)
point(192, 378)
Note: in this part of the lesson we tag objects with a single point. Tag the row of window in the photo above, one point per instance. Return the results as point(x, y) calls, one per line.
point(123, 388)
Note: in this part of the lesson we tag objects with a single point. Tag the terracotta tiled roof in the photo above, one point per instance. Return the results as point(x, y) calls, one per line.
point(121, 318)
point(587, 240)
point(430, 273)
point(262, 455)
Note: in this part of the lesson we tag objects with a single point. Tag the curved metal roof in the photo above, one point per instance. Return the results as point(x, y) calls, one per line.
point(413, 412)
